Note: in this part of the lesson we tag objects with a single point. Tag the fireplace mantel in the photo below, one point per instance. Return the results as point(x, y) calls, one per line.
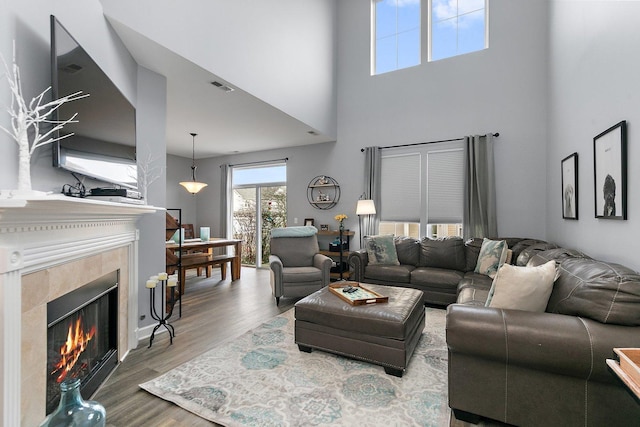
point(44, 237)
point(59, 207)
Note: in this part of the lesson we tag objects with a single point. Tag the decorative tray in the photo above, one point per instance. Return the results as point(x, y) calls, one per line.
point(360, 295)
point(627, 367)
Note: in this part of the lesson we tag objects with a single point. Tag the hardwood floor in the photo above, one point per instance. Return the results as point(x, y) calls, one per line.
point(213, 311)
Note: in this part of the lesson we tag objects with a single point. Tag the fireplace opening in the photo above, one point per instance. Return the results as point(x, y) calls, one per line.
point(82, 337)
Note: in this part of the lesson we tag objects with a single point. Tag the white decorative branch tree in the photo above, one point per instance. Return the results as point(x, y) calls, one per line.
point(29, 119)
point(147, 172)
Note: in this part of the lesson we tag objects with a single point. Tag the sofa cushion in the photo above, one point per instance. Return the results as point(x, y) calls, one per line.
point(492, 255)
point(408, 250)
point(471, 295)
point(522, 288)
point(389, 273)
point(436, 278)
point(521, 245)
point(558, 255)
point(475, 280)
point(447, 252)
point(606, 292)
point(529, 252)
point(381, 250)
point(471, 251)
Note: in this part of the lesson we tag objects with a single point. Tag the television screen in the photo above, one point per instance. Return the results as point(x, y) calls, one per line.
point(103, 144)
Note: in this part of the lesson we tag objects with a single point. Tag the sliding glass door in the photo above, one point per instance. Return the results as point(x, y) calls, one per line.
point(259, 204)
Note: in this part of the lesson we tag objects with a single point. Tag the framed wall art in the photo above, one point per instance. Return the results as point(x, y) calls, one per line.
point(610, 172)
point(569, 166)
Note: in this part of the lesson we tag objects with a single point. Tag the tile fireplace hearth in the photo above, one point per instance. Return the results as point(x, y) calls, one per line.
point(49, 247)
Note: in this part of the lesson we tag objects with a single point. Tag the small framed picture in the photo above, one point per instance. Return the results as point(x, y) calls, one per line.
point(324, 227)
point(610, 172)
point(308, 221)
point(569, 167)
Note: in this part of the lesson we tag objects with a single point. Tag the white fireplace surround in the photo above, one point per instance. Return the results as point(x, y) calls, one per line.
point(44, 239)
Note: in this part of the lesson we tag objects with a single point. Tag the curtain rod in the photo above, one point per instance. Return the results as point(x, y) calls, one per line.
point(259, 162)
point(497, 134)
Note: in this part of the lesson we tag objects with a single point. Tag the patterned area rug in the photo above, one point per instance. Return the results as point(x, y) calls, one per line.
point(262, 379)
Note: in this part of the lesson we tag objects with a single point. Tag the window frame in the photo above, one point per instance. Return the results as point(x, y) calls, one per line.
point(373, 39)
point(423, 152)
point(425, 49)
point(429, 21)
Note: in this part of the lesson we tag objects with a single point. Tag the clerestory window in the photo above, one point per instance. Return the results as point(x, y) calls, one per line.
point(454, 27)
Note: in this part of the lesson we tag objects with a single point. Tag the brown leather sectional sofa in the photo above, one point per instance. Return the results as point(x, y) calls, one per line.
point(547, 369)
point(434, 266)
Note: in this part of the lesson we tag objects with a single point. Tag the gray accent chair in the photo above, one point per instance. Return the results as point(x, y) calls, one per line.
point(297, 267)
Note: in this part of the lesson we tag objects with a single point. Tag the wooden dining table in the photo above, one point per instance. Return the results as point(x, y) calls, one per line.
point(207, 246)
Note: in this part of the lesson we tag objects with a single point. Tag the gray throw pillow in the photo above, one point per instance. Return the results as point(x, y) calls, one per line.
point(381, 250)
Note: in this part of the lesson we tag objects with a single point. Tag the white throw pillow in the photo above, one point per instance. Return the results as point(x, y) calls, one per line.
point(522, 288)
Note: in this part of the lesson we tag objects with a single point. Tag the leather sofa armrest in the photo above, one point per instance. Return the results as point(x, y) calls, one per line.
point(358, 260)
point(556, 343)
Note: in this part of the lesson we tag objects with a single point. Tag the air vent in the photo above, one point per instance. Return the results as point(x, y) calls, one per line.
point(222, 86)
point(72, 68)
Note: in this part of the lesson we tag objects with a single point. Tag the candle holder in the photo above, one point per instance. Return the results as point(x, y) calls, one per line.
point(162, 317)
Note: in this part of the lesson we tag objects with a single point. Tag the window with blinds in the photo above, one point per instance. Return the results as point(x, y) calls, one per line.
point(424, 187)
point(400, 188)
point(445, 186)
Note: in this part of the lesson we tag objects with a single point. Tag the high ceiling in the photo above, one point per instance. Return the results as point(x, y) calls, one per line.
point(227, 122)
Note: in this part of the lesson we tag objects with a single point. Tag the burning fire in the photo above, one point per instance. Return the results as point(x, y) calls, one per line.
point(76, 343)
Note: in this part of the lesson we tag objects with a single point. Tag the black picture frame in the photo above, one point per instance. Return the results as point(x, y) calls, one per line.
point(610, 172)
point(569, 168)
point(324, 227)
point(308, 221)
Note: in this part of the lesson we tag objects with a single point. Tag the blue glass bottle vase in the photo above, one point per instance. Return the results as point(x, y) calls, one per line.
point(73, 410)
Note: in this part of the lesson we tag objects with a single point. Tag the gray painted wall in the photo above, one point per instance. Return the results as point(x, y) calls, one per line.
point(151, 141)
point(179, 169)
point(502, 89)
point(281, 52)
point(28, 24)
point(594, 71)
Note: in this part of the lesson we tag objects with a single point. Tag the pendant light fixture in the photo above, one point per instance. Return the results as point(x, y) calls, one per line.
point(193, 186)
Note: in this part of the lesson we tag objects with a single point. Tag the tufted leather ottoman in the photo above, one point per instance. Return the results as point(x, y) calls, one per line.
point(385, 334)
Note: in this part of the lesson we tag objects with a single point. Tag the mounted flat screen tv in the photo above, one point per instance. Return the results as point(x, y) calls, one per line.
point(103, 144)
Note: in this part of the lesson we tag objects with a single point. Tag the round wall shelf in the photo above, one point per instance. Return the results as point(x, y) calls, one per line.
point(323, 192)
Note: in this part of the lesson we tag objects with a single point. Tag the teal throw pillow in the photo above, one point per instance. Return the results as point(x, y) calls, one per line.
point(381, 250)
point(492, 255)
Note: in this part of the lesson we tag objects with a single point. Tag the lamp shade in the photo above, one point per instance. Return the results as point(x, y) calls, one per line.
point(365, 207)
point(193, 186)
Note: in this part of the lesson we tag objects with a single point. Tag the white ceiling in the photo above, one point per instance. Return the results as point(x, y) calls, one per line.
point(226, 122)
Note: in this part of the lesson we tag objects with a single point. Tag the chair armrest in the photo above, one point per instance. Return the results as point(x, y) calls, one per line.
point(323, 262)
point(555, 343)
point(275, 264)
point(358, 260)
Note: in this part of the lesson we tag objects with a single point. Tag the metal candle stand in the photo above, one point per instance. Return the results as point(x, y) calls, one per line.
point(162, 319)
